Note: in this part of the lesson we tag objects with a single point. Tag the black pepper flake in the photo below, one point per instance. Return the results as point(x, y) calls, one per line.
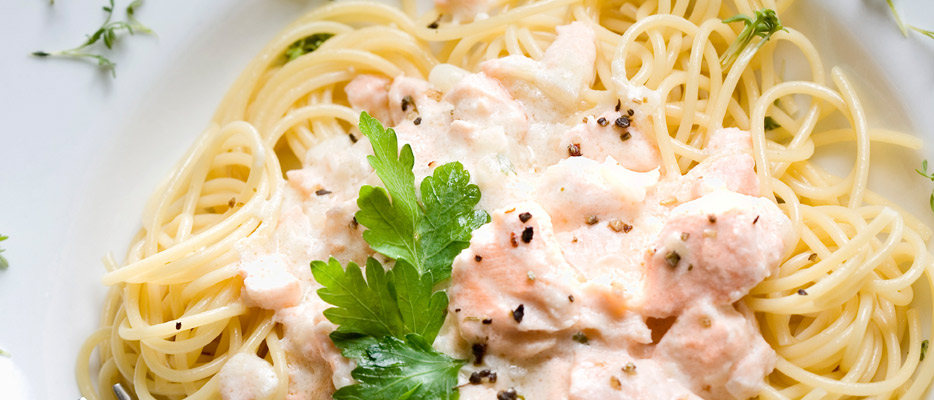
point(627, 228)
point(483, 373)
point(513, 240)
point(755, 220)
point(434, 25)
point(406, 102)
point(354, 223)
point(580, 337)
point(475, 378)
point(457, 310)
point(487, 321)
point(508, 394)
point(619, 104)
point(625, 136)
point(527, 234)
point(574, 150)
point(322, 192)
point(630, 112)
point(802, 292)
point(492, 377)
point(603, 122)
point(418, 121)
point(178, 325)
point(353, 139)
point(690, 267)
point(479, 350)
point(622, 122)
point(592, 220)
point(685, 236)
point(812, 257)
point(711, 218)
point(672, 258)
point(478, 258)
point(525, 217)
point(518, 313)
point(571, 298)
point(232, 202)
point(617, 225)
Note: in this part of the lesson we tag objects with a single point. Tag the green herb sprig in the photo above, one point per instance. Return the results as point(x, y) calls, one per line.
point(930, 175)
point(3, 262)
point(905, 27)
point(387, 320)
point(108, 33)
point(765, 24)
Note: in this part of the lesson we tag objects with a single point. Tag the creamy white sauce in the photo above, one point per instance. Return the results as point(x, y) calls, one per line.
point(646, 266)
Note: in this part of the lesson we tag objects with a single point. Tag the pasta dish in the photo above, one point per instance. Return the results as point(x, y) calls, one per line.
point(550, 199)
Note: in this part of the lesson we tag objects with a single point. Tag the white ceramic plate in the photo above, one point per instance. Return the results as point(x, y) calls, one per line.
point(80, 151)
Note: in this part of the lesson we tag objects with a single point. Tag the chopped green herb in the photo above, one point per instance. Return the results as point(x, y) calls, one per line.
point(924, 348)
point(107, 33)
point(771, 124)
point(306, 45)
point(924, 172)
point(764, 26)
point(580, 337)
point(3, 262)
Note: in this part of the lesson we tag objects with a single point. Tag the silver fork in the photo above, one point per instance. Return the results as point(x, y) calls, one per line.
point(119, 391)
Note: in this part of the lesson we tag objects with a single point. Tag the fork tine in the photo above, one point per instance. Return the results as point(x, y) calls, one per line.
point(121, 393)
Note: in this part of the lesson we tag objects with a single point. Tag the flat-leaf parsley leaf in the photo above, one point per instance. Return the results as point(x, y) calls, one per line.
point(428, 234)
point(405, 370)
point(388, 320)
point(388, 303)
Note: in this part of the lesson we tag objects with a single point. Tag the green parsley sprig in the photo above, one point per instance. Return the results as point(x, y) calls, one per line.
point(107, 33)
point(3, 262)
point(930, 175)
point(388, 320)
point(306, 45)
point(905, 27)
point(765, 24)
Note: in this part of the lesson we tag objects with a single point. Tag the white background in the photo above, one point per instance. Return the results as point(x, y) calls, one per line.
point(80, 151)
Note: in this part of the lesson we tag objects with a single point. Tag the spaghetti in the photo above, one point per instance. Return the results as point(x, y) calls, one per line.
point(174, 314)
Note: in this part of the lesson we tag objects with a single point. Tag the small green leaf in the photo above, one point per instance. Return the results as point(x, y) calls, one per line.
point(3, 262)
